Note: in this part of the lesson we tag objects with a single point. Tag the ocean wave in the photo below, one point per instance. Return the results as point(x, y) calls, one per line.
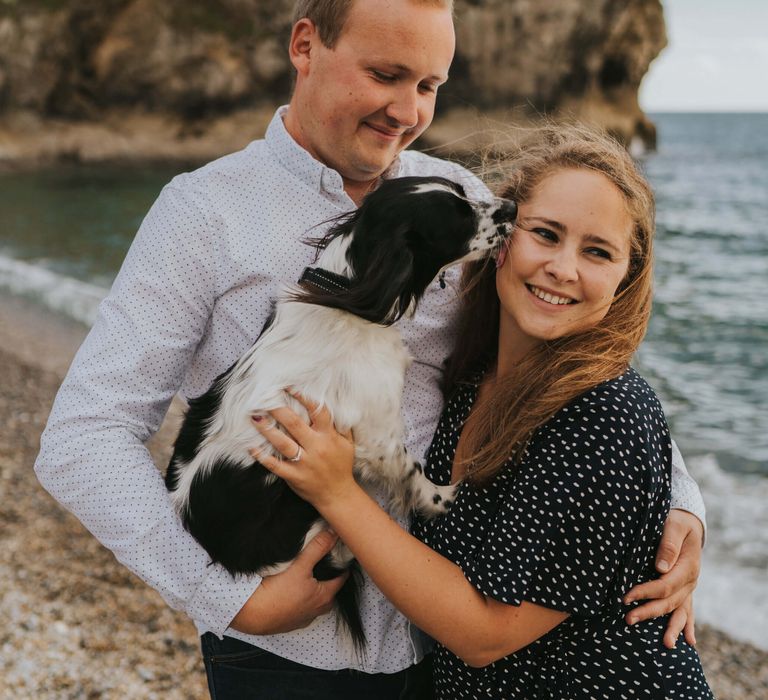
point(65, 295)
point(734, 579)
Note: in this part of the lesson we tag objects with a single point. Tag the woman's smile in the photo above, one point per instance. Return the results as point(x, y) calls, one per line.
point(550, 297)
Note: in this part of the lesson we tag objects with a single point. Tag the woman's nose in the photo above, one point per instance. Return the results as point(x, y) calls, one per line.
point(562, 266)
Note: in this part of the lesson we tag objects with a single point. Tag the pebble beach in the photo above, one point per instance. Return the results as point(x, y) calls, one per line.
point(75, 623)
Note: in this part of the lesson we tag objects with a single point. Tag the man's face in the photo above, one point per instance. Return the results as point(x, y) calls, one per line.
point(357, 105)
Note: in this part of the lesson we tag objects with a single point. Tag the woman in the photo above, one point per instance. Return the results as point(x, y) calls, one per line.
point(562, 451)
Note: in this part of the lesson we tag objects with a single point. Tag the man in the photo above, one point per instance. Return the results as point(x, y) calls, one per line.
point(193, 294)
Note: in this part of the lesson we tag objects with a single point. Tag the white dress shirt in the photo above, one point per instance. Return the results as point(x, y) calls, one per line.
point(191, 297)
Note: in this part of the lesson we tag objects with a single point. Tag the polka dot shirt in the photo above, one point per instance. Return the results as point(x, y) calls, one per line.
point(572, 528)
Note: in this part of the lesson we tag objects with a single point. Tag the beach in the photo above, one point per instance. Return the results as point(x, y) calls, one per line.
point(77, 623)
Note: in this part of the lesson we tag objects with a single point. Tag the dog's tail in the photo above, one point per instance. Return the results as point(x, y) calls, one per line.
point(348, 606)
point(347, 602)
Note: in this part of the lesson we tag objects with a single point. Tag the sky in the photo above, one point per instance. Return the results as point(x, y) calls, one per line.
point(716, 58)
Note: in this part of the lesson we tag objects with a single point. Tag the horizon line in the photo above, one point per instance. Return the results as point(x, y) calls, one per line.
point(702, 110)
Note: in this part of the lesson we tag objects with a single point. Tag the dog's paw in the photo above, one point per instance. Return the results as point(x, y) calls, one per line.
point(439, 501)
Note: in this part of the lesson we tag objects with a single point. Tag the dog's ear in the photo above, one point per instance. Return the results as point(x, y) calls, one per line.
point(382, 284)
point(383, 288)
point(342, 225)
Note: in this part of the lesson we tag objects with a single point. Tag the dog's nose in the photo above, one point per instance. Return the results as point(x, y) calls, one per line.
point(506, 212)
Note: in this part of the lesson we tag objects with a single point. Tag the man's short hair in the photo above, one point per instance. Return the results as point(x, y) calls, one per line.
point(329, 16)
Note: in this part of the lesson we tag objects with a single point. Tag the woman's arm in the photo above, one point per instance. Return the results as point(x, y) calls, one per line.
point(427, 588)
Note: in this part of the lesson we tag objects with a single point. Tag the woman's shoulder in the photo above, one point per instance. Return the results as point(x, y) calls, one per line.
point(628, 393)
point(619, 416)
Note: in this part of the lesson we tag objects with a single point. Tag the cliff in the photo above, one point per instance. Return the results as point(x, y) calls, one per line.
point(135, 79)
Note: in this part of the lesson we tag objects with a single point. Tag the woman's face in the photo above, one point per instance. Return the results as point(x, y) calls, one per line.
point(567, 256)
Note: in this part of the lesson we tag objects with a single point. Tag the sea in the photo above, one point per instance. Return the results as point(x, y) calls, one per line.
point(65, 231)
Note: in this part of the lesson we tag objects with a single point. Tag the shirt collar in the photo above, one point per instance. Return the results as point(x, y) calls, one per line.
point(300, 163)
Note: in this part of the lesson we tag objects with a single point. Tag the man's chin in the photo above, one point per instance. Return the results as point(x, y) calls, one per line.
point(372, 165)
point(366, 172)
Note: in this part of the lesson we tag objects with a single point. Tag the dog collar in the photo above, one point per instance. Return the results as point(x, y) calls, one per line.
point(324, 279)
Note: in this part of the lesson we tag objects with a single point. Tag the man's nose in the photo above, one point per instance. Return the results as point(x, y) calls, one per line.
point(404, 107)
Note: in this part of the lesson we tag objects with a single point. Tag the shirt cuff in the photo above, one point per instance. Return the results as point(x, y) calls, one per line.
point(219, 598)
point(685, 491)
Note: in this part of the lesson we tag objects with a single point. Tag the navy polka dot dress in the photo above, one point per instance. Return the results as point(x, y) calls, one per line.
point(572, 528)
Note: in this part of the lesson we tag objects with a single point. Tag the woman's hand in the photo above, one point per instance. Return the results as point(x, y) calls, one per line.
point(317, 460)
point(292, 599)
point(679, 560)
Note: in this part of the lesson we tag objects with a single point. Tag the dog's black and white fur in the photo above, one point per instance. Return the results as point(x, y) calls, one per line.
point(336, 346)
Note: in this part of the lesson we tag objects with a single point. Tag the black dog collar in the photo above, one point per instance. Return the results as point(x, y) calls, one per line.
point(332, 283)
point(323, 279)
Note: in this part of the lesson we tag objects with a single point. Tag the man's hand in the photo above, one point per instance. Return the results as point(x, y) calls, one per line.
point(292, 599)
point(678, 559)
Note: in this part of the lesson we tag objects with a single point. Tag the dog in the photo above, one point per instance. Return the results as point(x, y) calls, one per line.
point(331, 339)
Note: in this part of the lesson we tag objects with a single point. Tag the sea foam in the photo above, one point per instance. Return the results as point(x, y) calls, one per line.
point(731, 594)
point(72, 298)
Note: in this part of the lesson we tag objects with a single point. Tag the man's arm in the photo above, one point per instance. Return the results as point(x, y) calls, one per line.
point(678, 560)
point(685, 491)
point(93, 458)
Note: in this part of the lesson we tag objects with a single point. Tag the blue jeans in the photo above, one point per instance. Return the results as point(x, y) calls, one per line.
point(239, 671)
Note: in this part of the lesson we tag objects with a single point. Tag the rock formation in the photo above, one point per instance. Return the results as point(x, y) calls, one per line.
point(122, 79)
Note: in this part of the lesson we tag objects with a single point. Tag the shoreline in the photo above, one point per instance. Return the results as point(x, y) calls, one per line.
point(29, 141)
point(80, 625)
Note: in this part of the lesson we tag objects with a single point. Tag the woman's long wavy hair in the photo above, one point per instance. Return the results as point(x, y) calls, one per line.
point(556, 371)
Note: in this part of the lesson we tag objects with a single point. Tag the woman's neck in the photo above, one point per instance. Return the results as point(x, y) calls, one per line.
point(513, 347)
